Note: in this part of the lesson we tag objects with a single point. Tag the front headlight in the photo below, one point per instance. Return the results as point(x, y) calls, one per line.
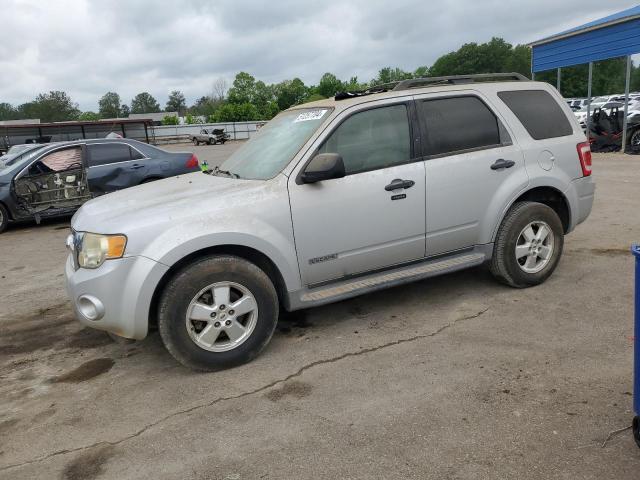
point(94, 249)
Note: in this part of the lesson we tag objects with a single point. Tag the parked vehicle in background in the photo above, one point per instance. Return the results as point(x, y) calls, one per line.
point(577, 103)
point(607, 126)
point(210, 136)
point(334, 199)
point(56, 178)
point(18, 150)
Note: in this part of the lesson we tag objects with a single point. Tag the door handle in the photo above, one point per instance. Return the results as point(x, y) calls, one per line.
point(399, 183)
point(502, 163)
point(136, 166)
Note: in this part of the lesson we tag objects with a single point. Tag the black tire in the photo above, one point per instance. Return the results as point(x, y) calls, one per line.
point(504, 265)
point(4, 218)
point(210, 142)
point(186, 284)
point(195, 141)
point(634, 141)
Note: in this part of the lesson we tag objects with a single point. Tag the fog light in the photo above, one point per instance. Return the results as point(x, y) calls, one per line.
point(90, 307)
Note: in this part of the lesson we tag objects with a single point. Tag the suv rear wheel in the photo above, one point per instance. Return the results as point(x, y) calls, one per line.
point(218, 312)
point(528, 245)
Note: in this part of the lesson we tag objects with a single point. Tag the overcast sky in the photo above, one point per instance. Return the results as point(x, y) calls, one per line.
point(88, 47)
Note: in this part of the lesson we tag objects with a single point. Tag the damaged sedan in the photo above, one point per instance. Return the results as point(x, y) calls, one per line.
point(56, 179)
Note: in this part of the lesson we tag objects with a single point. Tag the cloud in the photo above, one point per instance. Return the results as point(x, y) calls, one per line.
point(90, 47)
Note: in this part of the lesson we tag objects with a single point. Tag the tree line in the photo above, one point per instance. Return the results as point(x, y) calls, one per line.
point(249, 99)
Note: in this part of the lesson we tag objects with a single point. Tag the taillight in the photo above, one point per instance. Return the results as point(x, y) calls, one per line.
point(584, 154)
point(192, 162)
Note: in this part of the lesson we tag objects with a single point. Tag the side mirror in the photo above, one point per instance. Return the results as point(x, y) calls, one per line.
point(323, 166)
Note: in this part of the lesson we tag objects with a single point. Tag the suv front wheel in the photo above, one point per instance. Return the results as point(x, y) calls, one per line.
point(528, 245)
point(218, 312)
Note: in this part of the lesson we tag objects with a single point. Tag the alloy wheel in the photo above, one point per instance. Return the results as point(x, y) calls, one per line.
point(221, 316)
point(534, 247)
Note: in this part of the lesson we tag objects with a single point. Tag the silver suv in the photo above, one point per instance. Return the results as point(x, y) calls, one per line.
point(334, 199)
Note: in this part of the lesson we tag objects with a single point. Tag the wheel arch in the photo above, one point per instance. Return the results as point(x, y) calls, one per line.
point(10, 214)
point(248, 253)
point(547, 195)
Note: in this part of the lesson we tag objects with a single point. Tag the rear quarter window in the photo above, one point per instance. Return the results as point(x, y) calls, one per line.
point(538, 112)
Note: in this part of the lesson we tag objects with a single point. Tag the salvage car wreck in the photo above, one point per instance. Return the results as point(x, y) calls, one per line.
point(56, 179)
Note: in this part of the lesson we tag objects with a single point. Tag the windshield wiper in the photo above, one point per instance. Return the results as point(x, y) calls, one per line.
point(216, 170)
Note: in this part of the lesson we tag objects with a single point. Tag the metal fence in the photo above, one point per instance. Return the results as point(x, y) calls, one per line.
point(178, 133)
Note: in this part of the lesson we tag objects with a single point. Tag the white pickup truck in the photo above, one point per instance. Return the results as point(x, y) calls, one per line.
point(210, 136)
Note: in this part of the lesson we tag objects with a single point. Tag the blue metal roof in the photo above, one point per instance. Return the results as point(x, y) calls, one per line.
point(613, 36)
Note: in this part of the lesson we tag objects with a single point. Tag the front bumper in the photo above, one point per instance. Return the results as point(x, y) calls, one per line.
point(115, 297)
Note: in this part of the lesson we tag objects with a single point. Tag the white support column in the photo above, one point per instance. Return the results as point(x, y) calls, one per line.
point(626, 105)
point(589, 100)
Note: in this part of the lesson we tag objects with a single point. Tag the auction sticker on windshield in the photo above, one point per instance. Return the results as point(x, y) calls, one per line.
point(311, 115)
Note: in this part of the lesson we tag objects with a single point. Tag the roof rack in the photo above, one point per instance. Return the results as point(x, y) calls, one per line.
point(430, 81)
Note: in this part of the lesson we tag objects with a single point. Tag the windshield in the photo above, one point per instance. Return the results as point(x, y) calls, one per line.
point(14, 162)
point(275, 144)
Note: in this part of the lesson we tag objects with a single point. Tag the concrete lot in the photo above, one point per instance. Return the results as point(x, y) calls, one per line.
point(455, 377)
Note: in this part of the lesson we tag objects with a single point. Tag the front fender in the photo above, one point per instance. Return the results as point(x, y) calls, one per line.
point(183, 240)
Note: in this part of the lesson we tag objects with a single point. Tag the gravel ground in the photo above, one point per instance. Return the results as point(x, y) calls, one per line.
point(453, 377)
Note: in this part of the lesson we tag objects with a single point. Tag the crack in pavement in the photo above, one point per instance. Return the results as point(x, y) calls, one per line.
point(297, 373)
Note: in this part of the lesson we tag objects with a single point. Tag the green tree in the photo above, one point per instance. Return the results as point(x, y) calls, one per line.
point(243, 89)
point(170, 120)
point(353, 85)
point(124, 110)
point(236, 112)
point(55, 106)
point(176, 102)
point(492, 57)
point(421, 72)
point(205, 106)
point(7, 112)
point(88, 117)
point(265, 100)
point(329, 85)
point(519, 61)
point(388, 74)
point(290, 92)
point(144, 103)
point(192, 120)
point(109, 105)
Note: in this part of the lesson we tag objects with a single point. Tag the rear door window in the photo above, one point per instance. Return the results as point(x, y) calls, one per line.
point(106, 153)
point(538, 112)
point(458, 124)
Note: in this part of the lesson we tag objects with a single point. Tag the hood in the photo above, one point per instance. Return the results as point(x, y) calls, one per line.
point(167, 200)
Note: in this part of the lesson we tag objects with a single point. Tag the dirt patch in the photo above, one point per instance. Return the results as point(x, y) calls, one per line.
point(294, 322)
point(88, 338)
point(86, 371)
point(42, 416)
point(6, 425)
point(295, 389)
point(39, 331)
point(607, 252)
point(89, 465)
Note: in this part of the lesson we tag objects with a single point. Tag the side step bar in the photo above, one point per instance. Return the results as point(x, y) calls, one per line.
point(358, 286)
